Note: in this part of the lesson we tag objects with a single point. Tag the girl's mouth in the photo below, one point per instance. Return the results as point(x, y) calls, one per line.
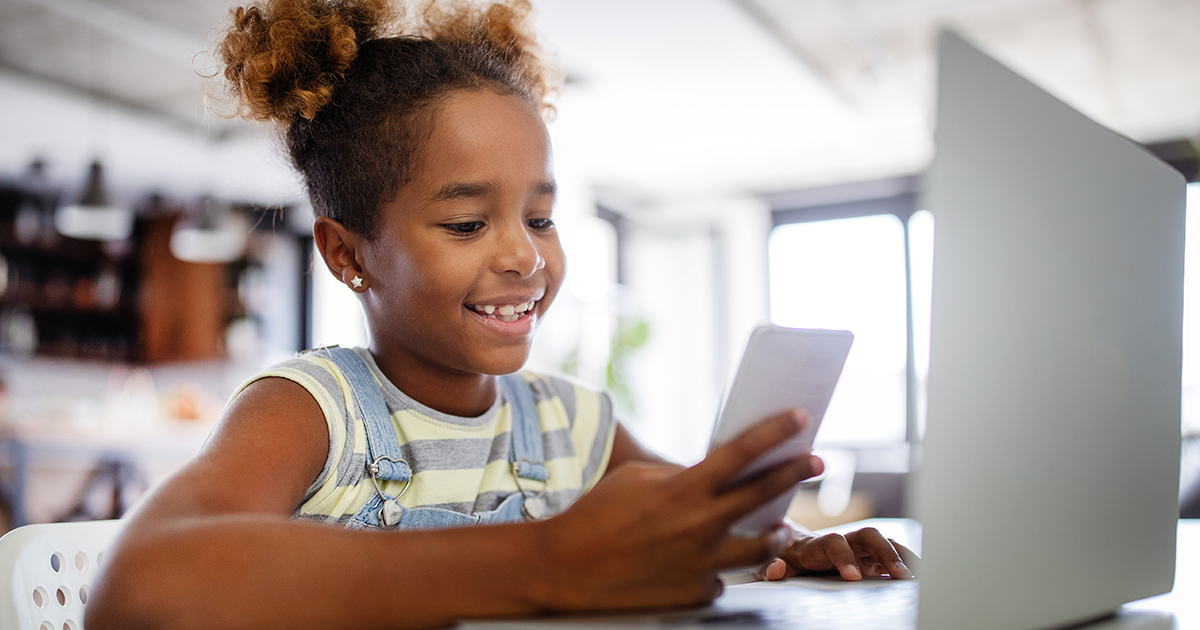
point(503, 312)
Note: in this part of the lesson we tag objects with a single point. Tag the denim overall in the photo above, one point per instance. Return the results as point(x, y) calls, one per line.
point(384, 461)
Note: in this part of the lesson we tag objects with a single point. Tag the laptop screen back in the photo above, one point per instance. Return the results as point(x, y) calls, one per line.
point(1049, 472)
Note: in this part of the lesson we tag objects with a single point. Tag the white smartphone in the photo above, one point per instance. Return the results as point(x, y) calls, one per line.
point(782, 368)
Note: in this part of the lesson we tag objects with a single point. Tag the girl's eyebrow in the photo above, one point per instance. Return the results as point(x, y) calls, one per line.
point(456, 190)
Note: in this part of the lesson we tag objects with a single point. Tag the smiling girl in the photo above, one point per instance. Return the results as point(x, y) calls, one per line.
point(427, 479)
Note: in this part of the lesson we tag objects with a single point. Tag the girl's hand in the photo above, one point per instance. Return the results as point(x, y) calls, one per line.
point(861, 553)
point(654, 535)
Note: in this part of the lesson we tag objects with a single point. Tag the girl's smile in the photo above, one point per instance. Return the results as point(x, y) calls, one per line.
point(507, 316)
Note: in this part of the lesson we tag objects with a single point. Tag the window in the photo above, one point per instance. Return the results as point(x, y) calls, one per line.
point(1191, 315)
point(920, 265)
point(862, 262)
point(850, 274)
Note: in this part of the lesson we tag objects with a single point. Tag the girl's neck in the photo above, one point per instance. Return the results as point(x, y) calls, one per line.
point(466, 395)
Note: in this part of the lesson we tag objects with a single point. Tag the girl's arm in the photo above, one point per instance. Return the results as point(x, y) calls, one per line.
point(214, 546)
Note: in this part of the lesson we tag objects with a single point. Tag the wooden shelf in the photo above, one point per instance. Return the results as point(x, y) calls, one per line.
point(165, 309)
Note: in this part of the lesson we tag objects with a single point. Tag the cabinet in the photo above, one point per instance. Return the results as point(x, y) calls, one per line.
point(183, 307)
point(128, 301)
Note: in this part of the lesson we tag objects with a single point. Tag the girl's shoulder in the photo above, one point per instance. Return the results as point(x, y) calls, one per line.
point(311, 369)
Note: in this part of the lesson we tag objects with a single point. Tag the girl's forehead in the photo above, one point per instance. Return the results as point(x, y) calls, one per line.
point(486, 133)
point(480, 109)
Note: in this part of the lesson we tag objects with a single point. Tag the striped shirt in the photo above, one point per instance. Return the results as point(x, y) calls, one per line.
point(458, 463)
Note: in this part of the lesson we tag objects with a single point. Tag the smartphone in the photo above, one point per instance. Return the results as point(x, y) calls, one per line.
point(781, 368)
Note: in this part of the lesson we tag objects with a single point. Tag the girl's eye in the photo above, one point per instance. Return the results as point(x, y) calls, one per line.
point(468, 227)
point(540, 224)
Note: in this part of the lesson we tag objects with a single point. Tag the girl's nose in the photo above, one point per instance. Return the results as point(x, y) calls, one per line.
point(518, 252)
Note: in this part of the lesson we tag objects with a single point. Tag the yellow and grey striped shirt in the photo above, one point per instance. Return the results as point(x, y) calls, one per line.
point(458, 463)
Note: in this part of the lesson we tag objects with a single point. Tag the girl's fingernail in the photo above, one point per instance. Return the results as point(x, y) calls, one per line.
point(853, 570)
point(775, 571)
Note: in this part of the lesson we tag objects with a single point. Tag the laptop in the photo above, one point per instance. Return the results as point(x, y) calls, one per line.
point(1048, 475)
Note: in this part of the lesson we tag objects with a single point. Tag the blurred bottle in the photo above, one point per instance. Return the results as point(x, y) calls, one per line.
point(18, 331)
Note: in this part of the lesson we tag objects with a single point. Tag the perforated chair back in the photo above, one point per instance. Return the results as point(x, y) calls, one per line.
point(47, 572)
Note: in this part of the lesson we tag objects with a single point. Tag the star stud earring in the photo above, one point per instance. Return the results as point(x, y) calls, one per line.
point(356, 282)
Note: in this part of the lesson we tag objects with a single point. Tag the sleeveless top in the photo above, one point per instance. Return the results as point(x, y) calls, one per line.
point(458, 464)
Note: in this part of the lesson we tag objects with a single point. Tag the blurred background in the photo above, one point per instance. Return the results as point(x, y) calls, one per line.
point(722, 163)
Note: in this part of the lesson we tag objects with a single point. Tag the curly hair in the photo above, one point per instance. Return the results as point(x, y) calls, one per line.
point(354, 84)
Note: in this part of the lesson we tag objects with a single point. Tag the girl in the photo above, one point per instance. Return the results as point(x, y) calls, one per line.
point(341, 488)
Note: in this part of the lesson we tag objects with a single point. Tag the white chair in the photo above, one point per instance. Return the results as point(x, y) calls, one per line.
point(47, 572)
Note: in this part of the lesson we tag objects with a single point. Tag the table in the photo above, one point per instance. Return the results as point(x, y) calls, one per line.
point(23, 445)
point(1178, 610)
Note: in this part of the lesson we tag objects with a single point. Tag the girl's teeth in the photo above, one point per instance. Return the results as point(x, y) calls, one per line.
point(507, 312)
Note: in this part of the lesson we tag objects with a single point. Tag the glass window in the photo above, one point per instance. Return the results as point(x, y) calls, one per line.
point(920, 257)
point(850, 274)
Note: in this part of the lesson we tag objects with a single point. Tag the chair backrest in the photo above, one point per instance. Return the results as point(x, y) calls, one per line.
point(47, 572)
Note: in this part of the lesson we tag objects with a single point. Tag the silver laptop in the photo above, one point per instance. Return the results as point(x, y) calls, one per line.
point(1048, 485)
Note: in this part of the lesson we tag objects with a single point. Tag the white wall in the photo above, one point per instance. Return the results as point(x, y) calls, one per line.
point(141, 153)
point(698, 275)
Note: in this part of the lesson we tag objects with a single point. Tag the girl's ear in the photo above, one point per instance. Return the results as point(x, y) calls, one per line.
point(341, 250)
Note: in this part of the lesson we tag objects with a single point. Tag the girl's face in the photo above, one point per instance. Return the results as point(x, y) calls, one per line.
point(468, 259)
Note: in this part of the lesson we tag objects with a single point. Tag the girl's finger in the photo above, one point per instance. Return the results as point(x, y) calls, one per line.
point(736, 503)
point(726, 460)
point(777, 570)
point(910, 559)
point(837, 551)
point(880, 550)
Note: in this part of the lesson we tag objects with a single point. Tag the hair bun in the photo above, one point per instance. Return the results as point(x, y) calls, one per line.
point(504, 27)
point(284, 58)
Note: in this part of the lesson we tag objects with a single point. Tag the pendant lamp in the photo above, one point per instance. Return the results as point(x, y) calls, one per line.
point(93, 218)
point(217, 233)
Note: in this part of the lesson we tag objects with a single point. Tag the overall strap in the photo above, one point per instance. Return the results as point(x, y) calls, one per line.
point(526, 453)
point(383, 449)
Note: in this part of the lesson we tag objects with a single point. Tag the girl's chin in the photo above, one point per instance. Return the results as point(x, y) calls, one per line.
point(508, 362)
point(506, 356)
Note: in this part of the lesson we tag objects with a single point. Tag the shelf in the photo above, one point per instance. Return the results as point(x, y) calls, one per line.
point(167, 310)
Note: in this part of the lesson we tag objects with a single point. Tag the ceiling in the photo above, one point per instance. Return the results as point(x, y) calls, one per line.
point(677, 98)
